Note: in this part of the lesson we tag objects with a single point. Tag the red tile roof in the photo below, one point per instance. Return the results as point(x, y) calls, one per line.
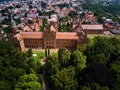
point(93, 27)
point(66, 35)
point(32, 35)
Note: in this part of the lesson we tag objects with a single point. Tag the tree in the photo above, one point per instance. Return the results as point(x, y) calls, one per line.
point(43, 4)
point(99, 51)
point(51, 66)
point(115, 68)
point(30, 21)
point(78, 60)
point(29, 52)
point(46, 52)
point(72, 14)
point(65, 79)
point(115, 54)
point(65, 19)
point(82, 48)
point(98, 73)
point(13, 65)
point(28, 82)
point(32, 64)
point(7, 30)
point(4, 85)
point(44, 24)
point(93, 86)
point(64, 56)
point(18, 21)
point(85, 88)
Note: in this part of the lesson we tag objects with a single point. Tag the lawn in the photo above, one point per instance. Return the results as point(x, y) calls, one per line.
point(39, 55)
point(91, 36)
point(118, 37)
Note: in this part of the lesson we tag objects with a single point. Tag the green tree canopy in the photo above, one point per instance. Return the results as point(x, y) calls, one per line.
point(64, 56)
point(65, 79)
point(98, 73)
point(99, 51)
point(28, 82)
point(78, 59)
point(115, 67)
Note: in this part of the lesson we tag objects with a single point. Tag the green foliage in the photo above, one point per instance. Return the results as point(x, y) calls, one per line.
point(100, 10)
point(32, 64)
point(78, 60)
point(72, 14)
point(82, 48)
point(18, 21)
point(97, 73)
point(95, 86)
point(13, 65)
point(29, 52)
point(7, 30)
point(64, 28)
point(115, 55)
point(64, 56)
point(85, 88)
point(64, 80)
point(28, 82)
point(63, 5)
point(30, 21)
point(64, 70)
point(44, 24)
point(4, 85)
point(65, 19)
point(43, 4)
point(48, 52)
point(6, 22)
point(51, 66)
point(100, 51)
point(115, 67)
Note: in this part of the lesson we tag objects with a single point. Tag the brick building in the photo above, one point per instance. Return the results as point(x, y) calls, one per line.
point(50, 38)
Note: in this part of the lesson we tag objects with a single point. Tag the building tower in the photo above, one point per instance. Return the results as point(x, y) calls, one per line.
point(49, 37)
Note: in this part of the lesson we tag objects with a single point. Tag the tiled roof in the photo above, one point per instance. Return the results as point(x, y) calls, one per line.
point(93, 27)
point(66, 35)
point(32, 35)
point(59, 35)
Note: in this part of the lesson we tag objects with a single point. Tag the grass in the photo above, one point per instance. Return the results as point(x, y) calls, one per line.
point(39, 56)
point(54, 54)
point(91, 36)
point(118, 37)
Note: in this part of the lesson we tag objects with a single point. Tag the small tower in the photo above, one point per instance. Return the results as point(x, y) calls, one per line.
point(18, 42)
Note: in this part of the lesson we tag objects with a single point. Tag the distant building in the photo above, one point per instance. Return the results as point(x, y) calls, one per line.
point(93, 29)
point(88, 28)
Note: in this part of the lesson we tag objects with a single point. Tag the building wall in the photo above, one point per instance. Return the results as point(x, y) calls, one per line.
point(33, 43)
point(70, 44)
point(59, 43)
point(94, 31)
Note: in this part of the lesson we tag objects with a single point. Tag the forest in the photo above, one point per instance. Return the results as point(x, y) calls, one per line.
point(92, 66)
point(110, 10)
